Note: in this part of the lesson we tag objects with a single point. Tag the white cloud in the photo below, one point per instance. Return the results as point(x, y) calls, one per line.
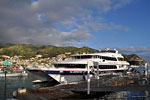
point(121, 3)
point(36, 21)
point(35, 5)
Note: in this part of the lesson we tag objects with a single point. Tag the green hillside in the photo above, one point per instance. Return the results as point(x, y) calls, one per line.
point(131, 57)
point(21, 50)
point(53, 51)
point(5, 45)
point(27, 51)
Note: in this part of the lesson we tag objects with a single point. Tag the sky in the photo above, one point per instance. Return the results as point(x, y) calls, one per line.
point(93, 23)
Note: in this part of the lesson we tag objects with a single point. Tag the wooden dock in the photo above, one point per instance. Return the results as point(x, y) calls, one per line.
point(105, 84)
point(48, 93)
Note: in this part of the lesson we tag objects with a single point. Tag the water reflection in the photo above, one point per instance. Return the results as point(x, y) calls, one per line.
point(11, 84)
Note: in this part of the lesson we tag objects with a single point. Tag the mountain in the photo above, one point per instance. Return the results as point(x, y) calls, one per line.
point(132, 57)
point(28, 50)
point(5, 45)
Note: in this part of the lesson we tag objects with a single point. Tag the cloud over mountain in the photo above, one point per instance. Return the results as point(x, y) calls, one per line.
point(56, 22)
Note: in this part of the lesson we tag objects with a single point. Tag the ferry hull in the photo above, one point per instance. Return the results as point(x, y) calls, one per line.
point(40, 75)
point(65, 77)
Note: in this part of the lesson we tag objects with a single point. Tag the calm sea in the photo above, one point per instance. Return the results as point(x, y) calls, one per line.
point(13, 83)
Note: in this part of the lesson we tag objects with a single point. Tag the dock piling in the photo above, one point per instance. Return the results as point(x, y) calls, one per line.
point(146, 68)
point(5, 85)
point(88, 77)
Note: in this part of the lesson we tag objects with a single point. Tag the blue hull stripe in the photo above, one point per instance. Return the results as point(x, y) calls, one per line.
point(78, 72)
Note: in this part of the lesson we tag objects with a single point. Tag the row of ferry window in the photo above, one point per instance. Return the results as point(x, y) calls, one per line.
point(95, 56)
point(84, 66)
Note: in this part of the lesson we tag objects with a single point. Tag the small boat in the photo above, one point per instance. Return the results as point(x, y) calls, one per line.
point(12, 70)
point(2, 74)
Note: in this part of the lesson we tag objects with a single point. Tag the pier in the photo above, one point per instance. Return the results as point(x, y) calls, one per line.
point(103, 85)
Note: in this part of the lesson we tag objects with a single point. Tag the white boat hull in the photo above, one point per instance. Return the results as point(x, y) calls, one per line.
point(13, 74)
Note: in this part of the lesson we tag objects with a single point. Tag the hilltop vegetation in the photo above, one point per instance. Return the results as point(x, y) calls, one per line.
point(28, 51)
point(131, 57)
point(21, 50)
point(5, 45)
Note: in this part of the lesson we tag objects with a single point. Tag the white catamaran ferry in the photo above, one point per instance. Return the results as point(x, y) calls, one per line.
point(75, 68)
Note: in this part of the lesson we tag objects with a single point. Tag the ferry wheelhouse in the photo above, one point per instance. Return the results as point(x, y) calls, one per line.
point(75, 68)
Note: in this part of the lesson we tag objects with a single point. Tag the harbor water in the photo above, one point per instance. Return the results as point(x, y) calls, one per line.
point(13, 83)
